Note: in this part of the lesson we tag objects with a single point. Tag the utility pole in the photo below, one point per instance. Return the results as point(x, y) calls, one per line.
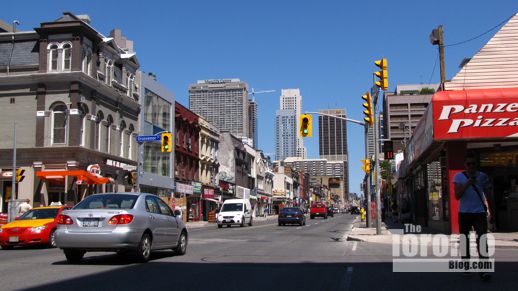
point(377, 165)
point(369, 179)
point(437, 38)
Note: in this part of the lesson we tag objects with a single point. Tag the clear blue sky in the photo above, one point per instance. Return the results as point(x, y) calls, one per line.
point(325, 48)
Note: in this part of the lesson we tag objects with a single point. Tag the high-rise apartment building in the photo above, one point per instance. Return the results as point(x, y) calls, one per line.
point(332, 139)
point(223, 103)
point(292, 100)
point(252, 124)
point(285, 134)
point(403, 109)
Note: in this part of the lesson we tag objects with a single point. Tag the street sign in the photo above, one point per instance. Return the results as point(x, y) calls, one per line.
point(144, 138)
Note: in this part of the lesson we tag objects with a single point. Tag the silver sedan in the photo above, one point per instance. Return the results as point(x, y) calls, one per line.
point(120, 222)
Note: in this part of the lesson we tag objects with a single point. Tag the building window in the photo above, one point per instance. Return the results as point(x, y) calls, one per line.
point(122, 134)
point(67, 55)
point(108, 134)
point(59, 123)
point(98, 128)
point(53, 57)
point(83, 111)
point(129, 144)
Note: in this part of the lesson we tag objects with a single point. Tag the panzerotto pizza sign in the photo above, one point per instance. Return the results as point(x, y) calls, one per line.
point(476, 114)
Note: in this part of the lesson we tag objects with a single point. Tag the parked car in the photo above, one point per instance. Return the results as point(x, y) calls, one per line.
point(235, 212)
point(291, 215)
point(120, 222)
point(35, 227)
point(318, 209)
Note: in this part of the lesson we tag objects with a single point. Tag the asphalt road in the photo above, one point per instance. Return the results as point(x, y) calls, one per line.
point(262, 257)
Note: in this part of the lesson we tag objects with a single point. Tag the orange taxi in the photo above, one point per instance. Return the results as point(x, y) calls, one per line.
point(36, 226)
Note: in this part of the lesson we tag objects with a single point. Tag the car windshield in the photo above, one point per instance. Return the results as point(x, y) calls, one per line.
point(50, 213)
point(232, 207)
point(108, 201)
point(290, 210)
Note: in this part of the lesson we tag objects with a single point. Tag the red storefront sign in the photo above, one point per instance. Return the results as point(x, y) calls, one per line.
point(208, 193)
point(475, 114)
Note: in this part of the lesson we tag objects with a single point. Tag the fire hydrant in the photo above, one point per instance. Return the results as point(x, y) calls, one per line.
point(362, 214)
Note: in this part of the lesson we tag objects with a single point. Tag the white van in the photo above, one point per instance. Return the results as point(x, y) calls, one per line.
point(235, 211)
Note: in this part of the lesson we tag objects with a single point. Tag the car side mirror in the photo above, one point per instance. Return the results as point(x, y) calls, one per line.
point(177, 213)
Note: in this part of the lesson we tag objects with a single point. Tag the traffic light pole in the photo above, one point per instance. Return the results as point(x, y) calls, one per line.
point(367, 189)
point(12, 205)
point(377, 167)
point(369, 179)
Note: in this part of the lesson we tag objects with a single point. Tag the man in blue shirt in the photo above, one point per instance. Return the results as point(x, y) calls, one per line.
point(473, 190)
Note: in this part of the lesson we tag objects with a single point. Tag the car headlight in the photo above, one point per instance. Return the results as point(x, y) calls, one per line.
point(37, 229)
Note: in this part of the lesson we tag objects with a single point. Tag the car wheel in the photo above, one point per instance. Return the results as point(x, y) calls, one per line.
point(181, 247)
point(144, 248)
point(325, 217)
point(250, 223)
point(312, 217)
point(220, 225)
point(74, 256)
point(228, 225)
point(280, 224)
point(301, 223)
point(52, 239)
point(242, 223)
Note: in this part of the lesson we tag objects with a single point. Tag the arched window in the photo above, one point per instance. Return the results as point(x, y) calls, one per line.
point(98, 119)
point(53, 57)
point(129, 145)
point(59, 123)
point(67, 56)
point(107, 134)
point(83, 111)
point(87, 61)
point(123, 140)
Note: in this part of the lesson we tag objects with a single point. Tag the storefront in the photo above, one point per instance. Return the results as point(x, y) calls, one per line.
point(482, 121)
point(210, 204)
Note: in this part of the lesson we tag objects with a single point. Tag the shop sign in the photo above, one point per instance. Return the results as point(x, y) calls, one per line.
point(196, 187)
point(184, 188)
point(276, 192)
point(208, 193)
point(469, 114)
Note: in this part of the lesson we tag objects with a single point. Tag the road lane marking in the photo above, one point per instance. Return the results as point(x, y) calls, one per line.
point(355, 245)
point(347, 279)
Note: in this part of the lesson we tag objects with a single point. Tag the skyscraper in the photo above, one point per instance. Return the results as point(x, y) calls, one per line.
point(223, 103)
point(332, 139)
point(252, 125)
point(292, 100)
point(285, 134)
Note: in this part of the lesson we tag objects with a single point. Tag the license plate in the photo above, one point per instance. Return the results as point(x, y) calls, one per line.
point(87, 222)
point(288, 215)
point(14, 239)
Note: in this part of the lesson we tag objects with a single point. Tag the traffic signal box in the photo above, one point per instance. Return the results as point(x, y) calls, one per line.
point(369, 117)
point(306, 125)
point(382, 75)
point(19, 175)
point(167, 142)
point(366, 166)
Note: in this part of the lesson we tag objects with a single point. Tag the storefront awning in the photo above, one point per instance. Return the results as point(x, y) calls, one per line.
point(81, 175)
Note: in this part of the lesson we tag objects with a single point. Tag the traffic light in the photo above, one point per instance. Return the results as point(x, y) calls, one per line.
point(369, 116)
point(388, 150)
point(305, 125)
point(167, 142)
point(382, 75)
point(366, 166)
point(19, 175)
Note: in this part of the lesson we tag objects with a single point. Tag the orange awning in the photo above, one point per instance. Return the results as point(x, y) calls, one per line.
point(82, 175)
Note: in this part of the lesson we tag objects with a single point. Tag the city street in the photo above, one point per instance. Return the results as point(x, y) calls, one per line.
point(262, 257)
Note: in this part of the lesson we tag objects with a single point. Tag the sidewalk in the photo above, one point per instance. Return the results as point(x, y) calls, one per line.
point(363, 234)
point(201, 224)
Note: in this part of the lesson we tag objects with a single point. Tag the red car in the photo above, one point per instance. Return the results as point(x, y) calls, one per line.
point(35, 227)
point(318, 209)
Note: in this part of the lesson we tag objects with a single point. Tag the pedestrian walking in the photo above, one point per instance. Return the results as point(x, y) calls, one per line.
point(24, 207)
point(473, 190)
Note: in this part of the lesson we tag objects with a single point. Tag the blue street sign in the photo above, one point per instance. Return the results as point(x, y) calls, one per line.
point(144, 138)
